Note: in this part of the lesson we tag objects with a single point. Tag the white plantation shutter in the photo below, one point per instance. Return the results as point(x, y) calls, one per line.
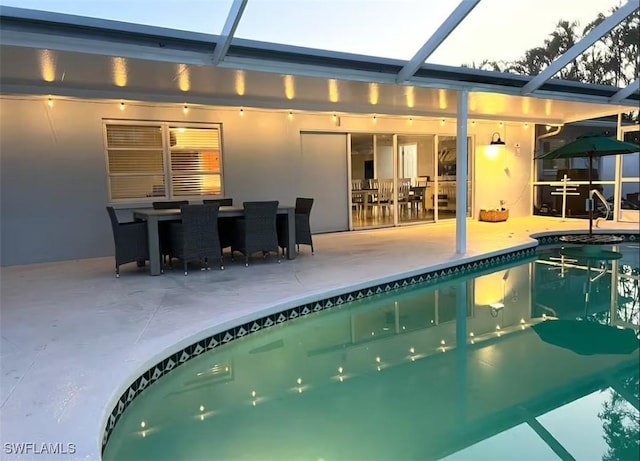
point(141, 165)
point(195, 161)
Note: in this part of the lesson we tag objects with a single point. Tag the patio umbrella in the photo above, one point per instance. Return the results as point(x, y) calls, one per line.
point(586, 337)
point(590, 145)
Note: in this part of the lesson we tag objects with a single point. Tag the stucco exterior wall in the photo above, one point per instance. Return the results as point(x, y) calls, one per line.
point(53, 186)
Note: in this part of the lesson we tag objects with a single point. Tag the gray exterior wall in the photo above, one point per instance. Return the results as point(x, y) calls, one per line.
point(53, 186)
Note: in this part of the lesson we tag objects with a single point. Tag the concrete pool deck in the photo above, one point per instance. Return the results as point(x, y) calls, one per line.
point(74, 337)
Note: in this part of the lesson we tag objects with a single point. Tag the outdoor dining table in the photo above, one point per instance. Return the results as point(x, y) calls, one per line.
point(153, 216)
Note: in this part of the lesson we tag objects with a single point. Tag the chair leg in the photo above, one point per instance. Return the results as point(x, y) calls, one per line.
point(221, 263)
point(312, 249)
point(185, 268)
point(246, 261)
point(117, 271)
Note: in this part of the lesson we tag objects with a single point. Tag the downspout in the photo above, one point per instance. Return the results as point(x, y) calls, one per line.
point(549, 134)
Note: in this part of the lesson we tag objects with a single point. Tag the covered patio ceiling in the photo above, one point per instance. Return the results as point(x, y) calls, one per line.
point(43, 53)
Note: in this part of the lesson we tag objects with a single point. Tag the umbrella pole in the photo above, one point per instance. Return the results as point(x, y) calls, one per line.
point(590, 202)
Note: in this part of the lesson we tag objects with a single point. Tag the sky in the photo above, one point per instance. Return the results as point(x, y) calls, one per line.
point(494, 30)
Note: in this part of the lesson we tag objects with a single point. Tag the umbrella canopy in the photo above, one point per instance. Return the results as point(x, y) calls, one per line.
point(587, 337)
point(590, 145)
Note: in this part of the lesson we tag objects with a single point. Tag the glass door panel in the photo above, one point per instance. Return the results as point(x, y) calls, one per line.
point(361, 174)
point(416, 172)
point(371, 180)
point(383, 180)
point(444, 201)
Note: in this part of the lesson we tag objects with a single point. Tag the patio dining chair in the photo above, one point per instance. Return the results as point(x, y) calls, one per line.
point(303, 226)
point(163, 226)
point(196, 238)
point(257, 230)
point(130, 240)
point(222, 201)
point(225, 225)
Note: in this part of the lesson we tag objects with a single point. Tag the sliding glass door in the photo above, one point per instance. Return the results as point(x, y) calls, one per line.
point(415, 178)
point(400, 179)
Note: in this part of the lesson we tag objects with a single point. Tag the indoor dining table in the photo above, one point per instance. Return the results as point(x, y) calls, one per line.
point(153, 216)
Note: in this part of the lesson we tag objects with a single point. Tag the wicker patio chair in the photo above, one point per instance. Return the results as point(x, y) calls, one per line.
point(303, 226)
point(257, 230)
point(130, 240)
point(221, 201)
point(196, 236)
point(225, 225)
point(163, 226)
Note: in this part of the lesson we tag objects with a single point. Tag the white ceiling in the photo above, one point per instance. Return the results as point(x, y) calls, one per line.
point(26, 70)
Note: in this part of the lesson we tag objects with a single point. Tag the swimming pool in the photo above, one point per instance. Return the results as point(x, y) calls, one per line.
point(457, 369)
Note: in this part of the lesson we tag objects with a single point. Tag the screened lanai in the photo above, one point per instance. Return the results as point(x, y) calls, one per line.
point(293, 89)
point(455, 71)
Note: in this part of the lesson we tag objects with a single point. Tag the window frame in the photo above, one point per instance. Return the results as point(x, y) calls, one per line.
point(167, 173)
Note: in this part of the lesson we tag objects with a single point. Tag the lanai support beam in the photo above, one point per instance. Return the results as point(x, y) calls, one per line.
point(411, 67)
point(229, 29)
point(626, 91)
point(461, 172)
point(576, 50)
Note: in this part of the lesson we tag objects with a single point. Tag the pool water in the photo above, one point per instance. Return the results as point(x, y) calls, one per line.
point(462, 369)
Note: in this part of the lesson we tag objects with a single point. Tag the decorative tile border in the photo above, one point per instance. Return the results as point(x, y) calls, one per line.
point(555, 238)
point(178, 358)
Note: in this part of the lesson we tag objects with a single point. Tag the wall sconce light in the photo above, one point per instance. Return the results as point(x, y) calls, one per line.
point(496, 142)
point(494, 146)
point(496, 307)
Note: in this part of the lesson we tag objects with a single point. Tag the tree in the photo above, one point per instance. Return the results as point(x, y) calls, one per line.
point(620, 424)
point(613, 60)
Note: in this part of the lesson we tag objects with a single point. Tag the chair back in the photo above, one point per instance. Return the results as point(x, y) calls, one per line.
point(356, 184)
point(220, 201)
point(169, 205)
point(114, 220)
point(404, 189)
point(385, 190)
point(200, 226)
point(260, 217)
point(418, 192)
point(303, 205)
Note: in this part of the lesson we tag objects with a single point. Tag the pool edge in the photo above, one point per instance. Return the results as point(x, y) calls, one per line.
point(212, 337)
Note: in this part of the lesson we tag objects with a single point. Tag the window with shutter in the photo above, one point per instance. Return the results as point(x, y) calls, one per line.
point(195, 161)
point(151, 160)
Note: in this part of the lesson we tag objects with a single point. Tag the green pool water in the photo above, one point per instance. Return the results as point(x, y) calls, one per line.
point(535, 360)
